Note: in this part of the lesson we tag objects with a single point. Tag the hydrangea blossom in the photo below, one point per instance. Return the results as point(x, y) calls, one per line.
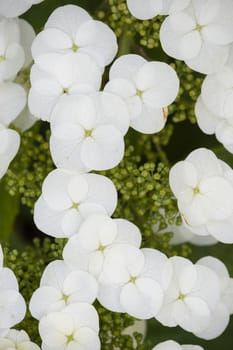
point(172, 345)
point(221, 314)
point(191, 296)
point(75, 327)
point(54, 75)
point(12, 304)
point(134, 280)
point(97, 235)
point(203, 186)
point(15, 8)
point(147, 88)
point(68, 198)
point(200, 34)
point(90, 136)
point(71, 29)
point(15, 340)
point(214, 108)
point(59, 287)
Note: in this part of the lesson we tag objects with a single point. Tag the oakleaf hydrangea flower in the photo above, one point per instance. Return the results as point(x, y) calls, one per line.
point(54, 75)
point(203, 186)
point(15, 8)
point(75, 327)
point(90, 136)
point(71, 29)
point(200, 34)
point(172, 345)
point(97, 235)
point(12, 304)
point(147, 88)
point(221, 314)
point(59, 287)
point(214, 107)
point(134, 280)
point(68, 198)
point(191, 296)
point(9, 146)
point(15, 340)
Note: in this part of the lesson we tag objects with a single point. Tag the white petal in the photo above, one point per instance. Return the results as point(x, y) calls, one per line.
point(86, 339)
point(127, 233)
point(126, 67)
point(13, 308)
point(27, 35)
point(101, 152)
point(222, 230)
point(14, 8)
point(159, 82)
point(55, 189)
point(68, 19)
point(109, 297)
point(71, 222)
point(168, 345)
point(207, 121)
point(12, 101)
point(142, 299)
point(45, 300)
point(75, 256)
point(78, 188)
point(142, 11)
point(182, 175)
point(98, 41)
point(101, 190)
point(8, 279)
point(84, 315)
point(150, 120)
point(13, 62)
point(54, 274)
point(48, 220)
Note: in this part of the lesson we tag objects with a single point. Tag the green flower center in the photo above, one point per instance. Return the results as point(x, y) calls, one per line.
point(74, 47)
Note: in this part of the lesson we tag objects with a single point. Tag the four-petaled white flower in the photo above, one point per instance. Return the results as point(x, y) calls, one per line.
point(147, 88)
point(60, 286)
point(200, 34)
point(191, 296)
point(69, 197)
point(75, 327)
point(134, 280)
point(203, 186)
point(17, 340)
point(91, 135)
point(71, 29)
point(97, 235)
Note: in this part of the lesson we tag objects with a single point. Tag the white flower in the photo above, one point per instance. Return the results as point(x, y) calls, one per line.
point(75, 327)
point(12, 304)
point(191, 296)
point(214, 107)
point(56, 75)
point(97, 235)
point(15, 8)
point(69, 197)
point(9, 146)
point(147, 88)
point(59, 287)
point(15, 339)
point(220, 316)
point(203, 186)
point(90, 136)
point(200, 35)
point(134, 280)
point(71, 29)
point(172, 345)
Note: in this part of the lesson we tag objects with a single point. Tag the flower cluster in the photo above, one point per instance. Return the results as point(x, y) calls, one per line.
point(14, 339)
